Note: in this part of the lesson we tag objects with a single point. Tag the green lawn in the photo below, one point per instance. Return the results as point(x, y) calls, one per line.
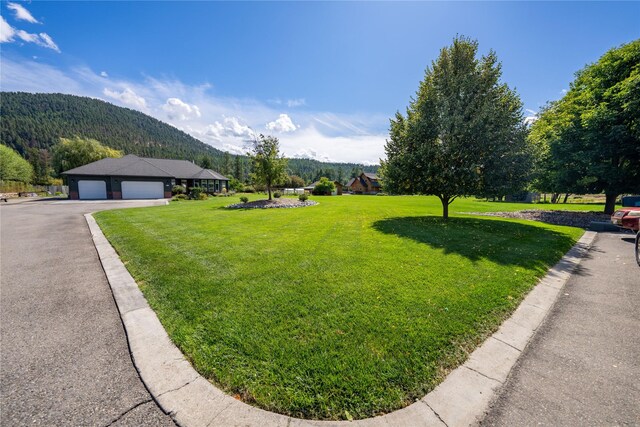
point(351, 308)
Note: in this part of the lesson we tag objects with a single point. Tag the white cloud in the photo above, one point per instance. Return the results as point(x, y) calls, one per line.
point(104, 74)
point(307, 153)
point(127, 97)
point(6, 31)
point(48, 42)
point(230, 127)
point(180, 110)
point(282, 124)
point(21, 13)
point(291, 103)
point(8, 34)
point(531, 117)
point(235, 149)
point(310, 143)
point(563, 92)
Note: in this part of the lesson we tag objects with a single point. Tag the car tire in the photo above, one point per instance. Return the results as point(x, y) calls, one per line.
point(638, 248)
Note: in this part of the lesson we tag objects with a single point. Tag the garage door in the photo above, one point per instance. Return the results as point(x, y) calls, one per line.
point(142, 190)
point(88, 189)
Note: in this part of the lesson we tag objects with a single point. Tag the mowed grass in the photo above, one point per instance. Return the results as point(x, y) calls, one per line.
point(352, 308)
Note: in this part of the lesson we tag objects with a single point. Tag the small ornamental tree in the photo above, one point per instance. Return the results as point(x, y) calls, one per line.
point(324, 187)
point(268, 166)
point(463, 133)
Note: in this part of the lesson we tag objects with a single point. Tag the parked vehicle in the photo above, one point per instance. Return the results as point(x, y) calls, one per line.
point(628, 218)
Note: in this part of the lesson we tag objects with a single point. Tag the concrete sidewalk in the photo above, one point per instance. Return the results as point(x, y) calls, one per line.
point(583, 366)
point(64, 358)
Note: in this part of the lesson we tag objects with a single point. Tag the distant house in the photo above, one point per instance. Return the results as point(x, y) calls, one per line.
point(366, 183)
point(133, 177)
point(338, 190)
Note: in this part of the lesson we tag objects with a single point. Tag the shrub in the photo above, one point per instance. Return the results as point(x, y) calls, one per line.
point(244, 199)
point(203, 196)
point(277, 194)
point(303, 197)
point(179, 197)
point(178, 189)
point(324, 187)
point(236, 185)
point(195, 192)
point(249, 189)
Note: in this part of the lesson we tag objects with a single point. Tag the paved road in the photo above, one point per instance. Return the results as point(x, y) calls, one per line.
point(583, 366)
point(64, 358)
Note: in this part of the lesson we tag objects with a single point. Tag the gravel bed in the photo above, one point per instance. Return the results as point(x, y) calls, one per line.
point(570, 218)
point(271, 204)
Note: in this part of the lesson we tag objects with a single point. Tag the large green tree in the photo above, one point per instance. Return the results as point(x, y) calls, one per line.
point(269, 166)
point(463, 133)
point(13, 167)
point(70, 153)
point(590, 139)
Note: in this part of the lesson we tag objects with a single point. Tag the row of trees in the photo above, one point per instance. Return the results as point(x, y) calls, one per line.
point(463, 134)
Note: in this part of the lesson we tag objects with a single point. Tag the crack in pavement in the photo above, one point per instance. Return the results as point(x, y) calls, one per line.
point(178, 388)
point(480, 373)
point(129, 410)
point(436, 414)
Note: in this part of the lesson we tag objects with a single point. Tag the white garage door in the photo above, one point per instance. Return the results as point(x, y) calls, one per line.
point(88, 189)
point(142, 190)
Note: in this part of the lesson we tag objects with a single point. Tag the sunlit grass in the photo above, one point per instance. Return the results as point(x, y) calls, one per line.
point(354, 307)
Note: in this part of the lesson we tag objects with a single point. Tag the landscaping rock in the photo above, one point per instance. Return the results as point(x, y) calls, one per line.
point(571, 218)
point(275, 203)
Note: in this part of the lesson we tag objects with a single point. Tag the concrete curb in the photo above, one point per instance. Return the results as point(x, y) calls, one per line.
point(192, 401)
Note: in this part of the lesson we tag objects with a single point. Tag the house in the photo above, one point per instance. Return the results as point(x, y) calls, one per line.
point(338, 190)
point(366, 183)
point(133, 177)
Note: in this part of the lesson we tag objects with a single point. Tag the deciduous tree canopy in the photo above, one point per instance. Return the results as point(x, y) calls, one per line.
point(13, 167)
point(590, 139)
point(463, 133)
point(74, 152)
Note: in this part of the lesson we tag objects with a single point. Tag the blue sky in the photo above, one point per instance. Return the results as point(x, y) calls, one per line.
point(323, 77)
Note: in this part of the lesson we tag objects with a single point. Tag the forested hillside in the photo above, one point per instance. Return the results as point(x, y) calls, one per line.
point(33, 123)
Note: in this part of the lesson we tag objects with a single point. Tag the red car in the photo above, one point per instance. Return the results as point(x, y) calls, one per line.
point(627, 217)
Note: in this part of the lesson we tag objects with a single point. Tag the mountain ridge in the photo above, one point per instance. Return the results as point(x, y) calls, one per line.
point(33, 123)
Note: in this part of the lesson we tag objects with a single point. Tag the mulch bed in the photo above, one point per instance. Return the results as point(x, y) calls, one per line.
point(570, 218)
point(271, 204)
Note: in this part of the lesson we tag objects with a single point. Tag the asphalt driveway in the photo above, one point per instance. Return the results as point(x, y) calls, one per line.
point(64, 358)
point(582, 368)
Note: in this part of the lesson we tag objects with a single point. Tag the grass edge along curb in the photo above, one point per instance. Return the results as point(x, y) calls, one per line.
point(191, 400)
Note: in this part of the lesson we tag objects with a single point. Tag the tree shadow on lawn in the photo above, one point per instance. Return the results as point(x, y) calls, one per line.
point(499, 241)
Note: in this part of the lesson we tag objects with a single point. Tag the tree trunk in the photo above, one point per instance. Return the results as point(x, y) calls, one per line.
point(610, 203)
point(555, 197)
point(269, 190)
point(445, 206)
point(566, 197)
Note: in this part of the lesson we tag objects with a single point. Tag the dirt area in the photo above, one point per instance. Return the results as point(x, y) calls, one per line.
point(570, 218)
point(275, 203)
